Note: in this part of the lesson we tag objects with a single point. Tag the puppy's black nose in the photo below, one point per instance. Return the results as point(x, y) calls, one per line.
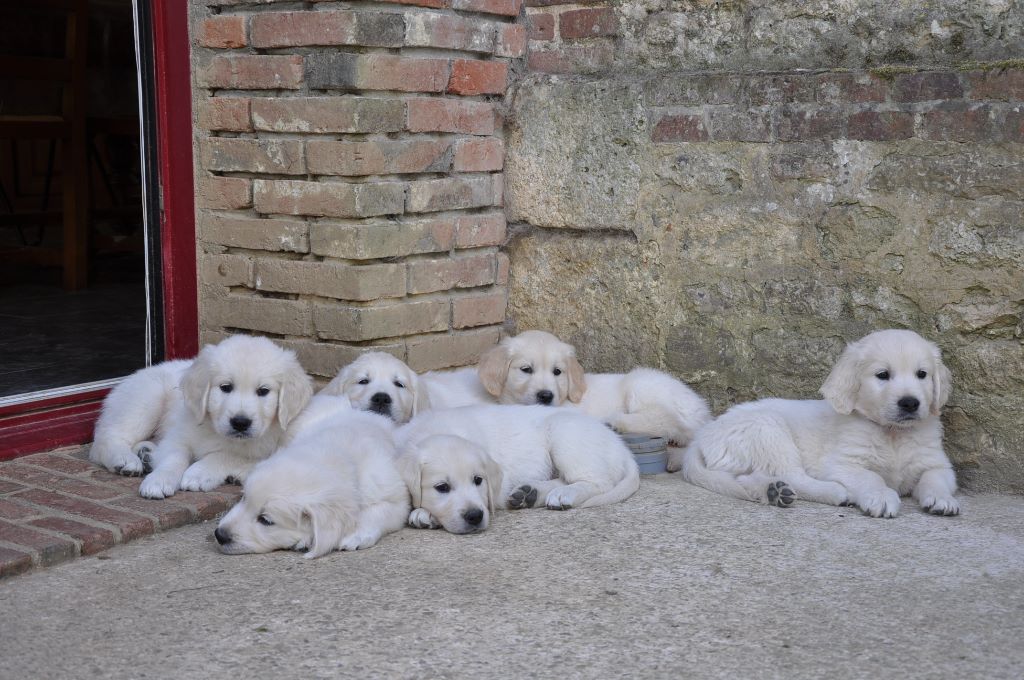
point(545, 397)
point(908, 404)
point(240, 423)
point(222, 536)
point(380, 399)
point(473, 516)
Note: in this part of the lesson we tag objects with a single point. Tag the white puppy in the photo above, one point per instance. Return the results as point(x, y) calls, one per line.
point(384, 384)
point(222, 413)
point(460, 464)
point(876, 436)
point(535, 367)
point(335, 486)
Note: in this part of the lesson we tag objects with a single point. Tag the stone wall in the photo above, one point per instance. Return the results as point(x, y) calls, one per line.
point(732, 190)
point(348, 170)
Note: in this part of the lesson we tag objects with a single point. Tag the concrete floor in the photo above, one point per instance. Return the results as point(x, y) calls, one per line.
point(675, 582)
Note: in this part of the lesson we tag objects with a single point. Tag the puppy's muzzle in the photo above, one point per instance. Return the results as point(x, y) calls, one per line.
point(908, 404)
point(240, 425)
point(545, 397)
point(223, 536)
point(473, 516)
point(381, 403)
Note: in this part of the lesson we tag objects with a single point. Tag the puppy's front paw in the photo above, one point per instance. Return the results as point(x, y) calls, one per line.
point(421, 519)
point(561, 498)
point(947, 507)
point(675, 460)
point(523, 497)
point(780, 495)
point(158, 485)
point(360, 540)
point(880, 503)
point(200, 480)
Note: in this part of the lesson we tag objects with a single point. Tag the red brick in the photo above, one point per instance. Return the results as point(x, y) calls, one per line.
point(498, 188)
point(332, 279)
point(851, 88)
point(50, 549)
point(122, 482)
point(799, 125)
point(258, 313)
point(454, 349)
point(450, 115)
point(450, 32)
point(468, 271)
point(680, 128)
point(274, 156)
point(373, 240)
point(958, 122)
point(253, 72)
point(328, 114)
point(257, 234)
point(508, 8)
point(50, 480)
point(225, 113)
point(341, 322)
point(209, 504)
point(167, 512)
point(472, 77)
point(433, 4)
point(542, 26)
point(224, 193)
point(92, 539)
point(588, 23)
point(450, 193)
point(9, 487)
point(479, 155)
point(13, 562)
point(474, 231)
point(224, 31)
point(479, 310)
point(334, 199)
point(917, 87)
point(291, 29)
point(553, 3)
point(1001, 84)
point(377, 158)
point(341, 70)
point(878, 126)
point(57, 463)
point(511, 41)
point(593, 57)
point(503, 269)
point(15, 511)
point(129, 524)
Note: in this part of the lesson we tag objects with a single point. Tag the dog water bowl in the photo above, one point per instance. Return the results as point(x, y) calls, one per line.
point(650, 453)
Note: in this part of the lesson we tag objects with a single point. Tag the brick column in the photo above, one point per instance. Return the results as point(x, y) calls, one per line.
point(349, 176)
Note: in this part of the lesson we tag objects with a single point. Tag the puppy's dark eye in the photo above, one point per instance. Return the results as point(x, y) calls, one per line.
point(882, 375)
point(922, 374)
point(557, 371)
point(265, 521)
point(364, 381)
point(226, 388)
point(527, 369)
point(262, 391)
point(478, 480)
point(400, 384)
point(443, 487)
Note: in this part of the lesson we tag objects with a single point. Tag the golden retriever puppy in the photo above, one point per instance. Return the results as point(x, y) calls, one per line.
point(333, 487)
point(535, 367)
point(212, 419)
point(876, 436)
point(384, 384)
point(461, 464)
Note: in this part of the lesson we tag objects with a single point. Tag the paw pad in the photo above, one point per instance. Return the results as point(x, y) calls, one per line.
point(523, 497)
point(780, 495)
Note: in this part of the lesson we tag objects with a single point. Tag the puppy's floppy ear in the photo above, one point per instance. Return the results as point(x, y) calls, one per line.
point(494, 480)
point(841, 387)
point(577, 381)
point(420, 397)
point(410, 469)
point(942, 382)
point(337, 385)
point(296, 391)
point(493, 369)
point(329, 527)
point(195, 383)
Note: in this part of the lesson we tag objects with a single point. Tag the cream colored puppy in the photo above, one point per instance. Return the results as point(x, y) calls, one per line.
point(461, 464)
point(535, 367)
point(875, 437)
point(333, 487)
point(384, 384)
point(212, 419)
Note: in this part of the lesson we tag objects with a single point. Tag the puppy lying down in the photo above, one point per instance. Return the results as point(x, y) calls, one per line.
point(334, 486)
point(460, 465)
point(536, 367)
point(875, 437)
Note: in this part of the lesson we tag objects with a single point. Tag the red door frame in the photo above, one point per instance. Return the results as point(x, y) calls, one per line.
point(42, 425)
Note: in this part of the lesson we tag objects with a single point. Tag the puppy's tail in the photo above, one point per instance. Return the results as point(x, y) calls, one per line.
point(626, 487)
point(720, 481)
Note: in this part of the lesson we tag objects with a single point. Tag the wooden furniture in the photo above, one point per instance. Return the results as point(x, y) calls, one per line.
point(69, 127)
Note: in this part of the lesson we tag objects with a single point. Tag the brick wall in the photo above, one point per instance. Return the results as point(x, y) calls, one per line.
point(732, 190)
point(349, 175)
